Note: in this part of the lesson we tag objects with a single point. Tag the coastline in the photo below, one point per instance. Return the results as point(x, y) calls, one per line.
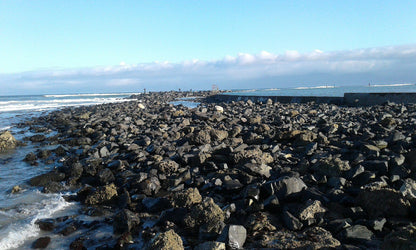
point(271, 175)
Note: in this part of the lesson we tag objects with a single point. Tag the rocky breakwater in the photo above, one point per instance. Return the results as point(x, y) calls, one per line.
point(235, 175)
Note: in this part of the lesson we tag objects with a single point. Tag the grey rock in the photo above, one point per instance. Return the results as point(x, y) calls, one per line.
point(291, 222)
point(125, 221)
point(284, 187)
point(357, 233)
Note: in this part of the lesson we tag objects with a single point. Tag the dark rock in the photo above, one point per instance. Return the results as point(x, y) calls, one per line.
point(41, 243)
point(284, 187)
point(291, 222)
point(125, 221)
point(105, 176)
point(155, 205)
point(37, 138)
point(211, 245)
point(30, 157)
point(383, 202)
point(150, 186)
point(402, 238)
point(53, 187)
point(258, 169)
point(46, 224)
point(187, 198)
point(45, 179)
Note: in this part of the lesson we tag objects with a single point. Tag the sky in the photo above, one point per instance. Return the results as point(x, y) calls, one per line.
point(123, 46)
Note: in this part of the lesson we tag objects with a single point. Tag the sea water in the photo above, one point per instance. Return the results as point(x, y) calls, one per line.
point(19, 211)
point(327, 90)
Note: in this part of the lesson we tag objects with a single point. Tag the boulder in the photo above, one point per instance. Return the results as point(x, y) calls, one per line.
point(166, 240)
point(167, 167)
point(334, 167)
point(187, 198)
point(7, 141)
point(402, 238)
point(284, 187)
point(102, 195)
point(41, 243)
point(44, 179)
point(357, 233)
point(311, 210)
point(380, 202)
point(124, 221)
point(234, 236)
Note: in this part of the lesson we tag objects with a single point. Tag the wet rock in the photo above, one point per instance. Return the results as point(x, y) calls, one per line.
point(37, 138)
point(187, 197)
point(156, 205)
point(102, 195)
point(125, 221)
point(7, 141)
point(16, 189)
point(166, 240)
point(53, 187)
point(41, 243)
point(30, 157)
point(46, 224)
point(47, 178)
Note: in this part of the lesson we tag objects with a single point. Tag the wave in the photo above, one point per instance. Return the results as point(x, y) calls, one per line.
point(42, 105)
point(318, 87)
point(74, 95)
point(392, 85)
point(15, 234)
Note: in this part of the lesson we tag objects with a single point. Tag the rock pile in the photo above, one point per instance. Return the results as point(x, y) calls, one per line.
point(239, 174)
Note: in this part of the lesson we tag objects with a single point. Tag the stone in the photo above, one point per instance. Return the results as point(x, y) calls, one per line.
point(258, 169)
point(291, 222)
point(41, 243)
point(202, 137)
point(7, 141)
point(46, 224)
point(187, 197)
point(37, 138)
point(402, 238)
point(357, 233)
point(219, 109)
point(211, 245)
point(105, 176)
point(334, 167)
point(284, 187)
point(383, 202)
point(16, 189)
point(311, 210)
point(218, 135)
point(234, 236)
point(30, 157)
point(167, 167)
point(150, 186)
point(141, 106)
point(408, 188)
point(44, 179)
point(166, 240)
point(125, 221)
point(208, 215)
point(102, 195)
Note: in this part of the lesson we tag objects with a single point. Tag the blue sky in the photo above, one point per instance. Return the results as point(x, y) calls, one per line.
point(75, 46)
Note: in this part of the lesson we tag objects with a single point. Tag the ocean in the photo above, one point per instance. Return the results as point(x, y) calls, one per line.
point(19, 211)
point(327, 90)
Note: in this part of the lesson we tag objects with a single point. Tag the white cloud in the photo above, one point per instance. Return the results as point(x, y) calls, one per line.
point(394, 64)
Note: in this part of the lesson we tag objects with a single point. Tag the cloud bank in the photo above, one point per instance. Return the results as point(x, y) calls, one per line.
point(383, 65)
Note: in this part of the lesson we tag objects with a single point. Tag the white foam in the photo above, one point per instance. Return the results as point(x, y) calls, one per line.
point(317, 87)
point(109, 94)
point(53, 104)
point(392, 85)
point(15, 234)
